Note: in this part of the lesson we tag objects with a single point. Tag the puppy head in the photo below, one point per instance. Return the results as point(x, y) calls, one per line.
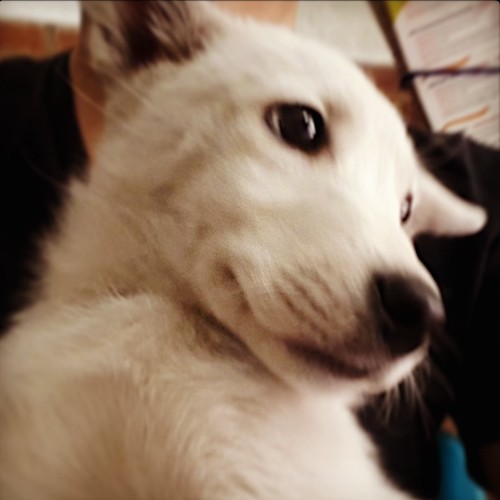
point(276, 184)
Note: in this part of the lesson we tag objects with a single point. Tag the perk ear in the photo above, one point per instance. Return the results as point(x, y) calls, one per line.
point(440, 212)
point(121, 36)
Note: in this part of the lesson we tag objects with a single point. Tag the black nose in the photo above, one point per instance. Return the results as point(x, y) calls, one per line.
point(408, 310)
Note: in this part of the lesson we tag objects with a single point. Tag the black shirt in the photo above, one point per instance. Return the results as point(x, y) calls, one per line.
point(468, 273)
point(41, 149)
point(464, 378)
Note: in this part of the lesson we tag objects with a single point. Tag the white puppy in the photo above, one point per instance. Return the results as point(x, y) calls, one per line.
point(237, 272)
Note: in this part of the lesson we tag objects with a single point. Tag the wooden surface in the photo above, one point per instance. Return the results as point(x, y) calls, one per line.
point(415, 111)
point(34, 40)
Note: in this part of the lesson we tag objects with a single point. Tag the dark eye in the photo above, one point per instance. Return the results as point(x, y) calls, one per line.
point(299, 126)
point(405, 210)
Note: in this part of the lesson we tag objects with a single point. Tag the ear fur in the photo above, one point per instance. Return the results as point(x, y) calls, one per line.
point(122, 36)
point(440, 212)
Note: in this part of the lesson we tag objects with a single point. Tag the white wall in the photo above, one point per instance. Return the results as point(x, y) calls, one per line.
point(350, 26)
point(64, 13)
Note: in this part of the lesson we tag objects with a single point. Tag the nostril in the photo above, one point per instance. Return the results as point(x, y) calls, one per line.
point(407, 301)
point(409, 310)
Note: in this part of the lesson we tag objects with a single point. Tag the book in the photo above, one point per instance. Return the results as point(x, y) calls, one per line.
point(451, 52)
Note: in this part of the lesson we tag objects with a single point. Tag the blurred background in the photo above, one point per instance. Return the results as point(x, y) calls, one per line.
point(42, 28)
point(348, 25)
point(387, 38)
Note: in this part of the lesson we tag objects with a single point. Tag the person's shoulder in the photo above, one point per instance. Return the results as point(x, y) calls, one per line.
point(462, 266)
point(465, 166)
point(23, 86)
point(28, 89)
point(23, 71)
point(13, 67)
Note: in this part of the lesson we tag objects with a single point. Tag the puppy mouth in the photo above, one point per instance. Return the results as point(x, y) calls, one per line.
point(328, 362)
point(312, 355)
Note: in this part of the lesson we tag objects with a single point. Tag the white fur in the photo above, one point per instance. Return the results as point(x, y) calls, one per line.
point(117, 384)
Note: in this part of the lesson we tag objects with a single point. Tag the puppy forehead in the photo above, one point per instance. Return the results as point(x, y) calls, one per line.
point(259, 65)
point(252, 66)
point(276, 65)
point(284, 64)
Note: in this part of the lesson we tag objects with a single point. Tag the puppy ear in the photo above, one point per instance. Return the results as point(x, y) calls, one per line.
point(440, 212)
point(121, 36)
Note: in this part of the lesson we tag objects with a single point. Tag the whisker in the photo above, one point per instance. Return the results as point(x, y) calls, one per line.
point(134, 93)
point(302, 292)
point(57, 183)
point(301, 315)
point(117, 120)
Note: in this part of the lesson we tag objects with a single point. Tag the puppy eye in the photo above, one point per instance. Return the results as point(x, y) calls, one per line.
point(405, 210)
point(299, 126)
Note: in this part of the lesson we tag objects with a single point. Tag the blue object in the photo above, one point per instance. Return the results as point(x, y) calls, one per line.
point(455, 481)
